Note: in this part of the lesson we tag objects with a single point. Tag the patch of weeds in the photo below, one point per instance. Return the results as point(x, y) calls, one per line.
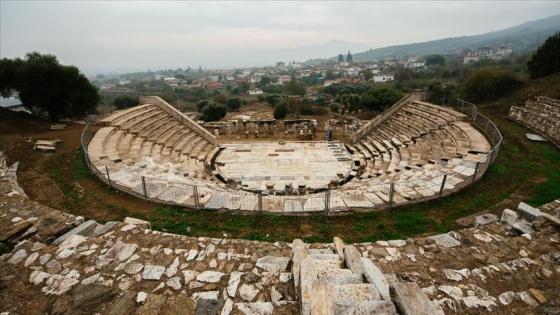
point(409, 223)
point(513, 148)
point(80, 167)
point(361, 227)
point(498, 168)
point(369, 239)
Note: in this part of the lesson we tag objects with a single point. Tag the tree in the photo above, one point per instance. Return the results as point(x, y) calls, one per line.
point(294, 106)
point(401, 74)
point(348, 101)
point(349, 57)
point(243, 87)
point(340, 57)
point(435, 60)
point(213, 112)
point(44, 84)
point(546, 59)
point(220, 98)
point(281, 109)
point(200, 105)
point(265, 80)
point(489, 83)
point(233, 104)
point(378, 98)
point(367, 74)
point(125, 101)
point(294, 88)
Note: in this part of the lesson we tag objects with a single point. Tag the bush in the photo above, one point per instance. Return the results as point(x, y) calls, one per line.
point(488, 84)
point(335, 108)
point(281, 109)
point(378, 98)
point(233, 104)
point(313, 110)
point(200, 105)
point(125, 101)
point(213, 112)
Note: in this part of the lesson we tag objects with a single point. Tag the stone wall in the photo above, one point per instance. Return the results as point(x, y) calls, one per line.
point(542, 115)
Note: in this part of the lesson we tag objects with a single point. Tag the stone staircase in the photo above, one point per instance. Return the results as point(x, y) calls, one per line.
point(344, 282)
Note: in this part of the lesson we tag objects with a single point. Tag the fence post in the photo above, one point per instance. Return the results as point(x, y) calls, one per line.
point(475, 171)
point(196, 201)
point(391, 191)
point(108, 177)
point(144, 186)
point(442, 185)
point(260, 201)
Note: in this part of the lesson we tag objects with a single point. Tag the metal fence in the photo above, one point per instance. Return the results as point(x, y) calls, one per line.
point(376, 195)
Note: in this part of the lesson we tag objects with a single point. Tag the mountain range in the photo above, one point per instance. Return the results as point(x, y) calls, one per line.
point(523, 38)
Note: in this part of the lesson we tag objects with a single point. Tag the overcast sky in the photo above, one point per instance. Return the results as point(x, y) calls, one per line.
point(99, 36)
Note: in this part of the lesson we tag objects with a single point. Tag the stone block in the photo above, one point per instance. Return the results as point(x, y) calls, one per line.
point(509, 217)
point(522, 227)
point(321, 302)
point(102, 229)
point(85, 229)
point(339, 279)
point(365, 307)
point(374, 276)
point(353, 292)
point(139, 223)
point(527, 212)
point(339, 246)
point(298, 256)
point(352, 258)
point(410, 299)
point(484, 219)
point(92, 294)
point(445, 240)
point(273, 264)
point(207, 306)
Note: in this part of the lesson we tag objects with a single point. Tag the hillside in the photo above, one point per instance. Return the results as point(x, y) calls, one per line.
point(524, 37)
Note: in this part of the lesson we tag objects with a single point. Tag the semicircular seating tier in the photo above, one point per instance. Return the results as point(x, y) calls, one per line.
point(154, 151)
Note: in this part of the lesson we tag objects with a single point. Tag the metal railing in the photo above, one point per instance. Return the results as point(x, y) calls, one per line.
point(376, 195)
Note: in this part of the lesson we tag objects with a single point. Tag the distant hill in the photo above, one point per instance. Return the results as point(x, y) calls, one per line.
point(524, 37)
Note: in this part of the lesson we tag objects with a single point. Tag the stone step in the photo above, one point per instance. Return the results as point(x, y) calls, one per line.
point(364, 308)
point(324, 256)
point(353, 292)
point(338, 279)
point(317, 251)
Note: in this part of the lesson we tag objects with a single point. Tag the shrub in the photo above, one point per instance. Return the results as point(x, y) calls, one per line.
point(488, 84)
point(281, 109)
point(213, 112)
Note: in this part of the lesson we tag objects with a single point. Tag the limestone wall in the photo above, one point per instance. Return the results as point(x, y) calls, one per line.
point(542, 115)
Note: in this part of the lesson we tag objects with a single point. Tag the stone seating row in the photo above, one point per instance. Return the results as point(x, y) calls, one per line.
point(156, 127)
